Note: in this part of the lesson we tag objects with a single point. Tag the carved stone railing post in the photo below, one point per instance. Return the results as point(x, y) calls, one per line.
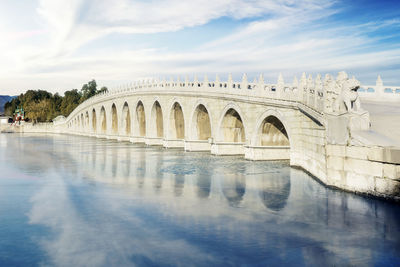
point(303, 88)
point(260, 86)
point(318, 93)
point(280, 85)
point(229, 83)
point(244, 84)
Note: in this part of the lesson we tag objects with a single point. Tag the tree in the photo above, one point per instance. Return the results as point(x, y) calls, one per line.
point(42, 106)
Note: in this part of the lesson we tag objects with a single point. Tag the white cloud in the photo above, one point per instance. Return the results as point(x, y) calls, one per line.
point(282, 36)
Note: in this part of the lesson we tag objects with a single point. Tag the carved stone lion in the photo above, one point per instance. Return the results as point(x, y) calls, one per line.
point(350, 96)
point(342, 96)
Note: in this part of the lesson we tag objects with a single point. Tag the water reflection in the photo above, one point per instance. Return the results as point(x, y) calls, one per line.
point(140, 168)
point(275, 188)
point(234, 187)
point(179, 182)
point(158, 174)
point(106, 203)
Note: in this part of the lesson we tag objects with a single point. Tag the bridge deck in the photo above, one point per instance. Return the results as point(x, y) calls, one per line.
point(385, 124)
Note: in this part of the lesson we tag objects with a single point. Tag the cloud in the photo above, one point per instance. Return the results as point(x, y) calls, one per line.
point(78, 40)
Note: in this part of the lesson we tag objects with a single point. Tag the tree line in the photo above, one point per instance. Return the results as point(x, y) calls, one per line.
point(43, 106)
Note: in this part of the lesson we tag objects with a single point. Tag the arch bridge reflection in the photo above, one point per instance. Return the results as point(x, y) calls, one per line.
point(170, 173)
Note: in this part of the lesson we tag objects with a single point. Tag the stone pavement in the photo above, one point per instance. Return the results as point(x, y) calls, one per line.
point(385, 124)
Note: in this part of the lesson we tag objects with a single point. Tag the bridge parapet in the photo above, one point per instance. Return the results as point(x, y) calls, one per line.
point(308, 93)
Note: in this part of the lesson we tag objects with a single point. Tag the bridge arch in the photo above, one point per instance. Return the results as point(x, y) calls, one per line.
point(103, 120)
point(126, 127)
point(82, 122)
point(231, 125)
point(87, 120)
point(156, 121)
point(94, 121)
point(201, 126)
point(271, 130)
point(176, 121)
point(140, 119)
point(114, 119)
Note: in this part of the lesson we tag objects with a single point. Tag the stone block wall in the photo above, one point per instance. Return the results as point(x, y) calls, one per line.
point(368, 170)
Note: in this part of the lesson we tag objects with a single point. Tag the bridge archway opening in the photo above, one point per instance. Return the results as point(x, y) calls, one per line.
point(114, 118)
point(82, 122)
point(126, 119)
point(201, 119)
point(103, 119)
point(157, 120)
point(94, 121)
point(232, 128)
point(177, 122)
point(141, 119)
point(272, 132)
point(87, 119)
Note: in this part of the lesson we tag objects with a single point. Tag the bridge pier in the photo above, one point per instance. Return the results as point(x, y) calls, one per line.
point(154, 141)
point(197, 145)
point(123, 138)
point(137, 139)
point(174, 143)
point(227, 148)
point(267, 152)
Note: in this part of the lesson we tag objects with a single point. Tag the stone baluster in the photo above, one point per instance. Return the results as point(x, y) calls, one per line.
point(230, 83)
point(216, 83)
point(244, 84)
point(295, 89)
point(310, 91)
point(206, 83)
point(163, 84)
point(187, 82)
point(303, 88)
point(279, 86)
point(260, 85)
point(196, 82)
point(379, 90)
point(318, 93)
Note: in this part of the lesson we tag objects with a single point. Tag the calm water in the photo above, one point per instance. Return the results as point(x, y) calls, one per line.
point(76, 201)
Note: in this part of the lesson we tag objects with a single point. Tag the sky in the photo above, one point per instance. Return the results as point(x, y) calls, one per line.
point(58, 45)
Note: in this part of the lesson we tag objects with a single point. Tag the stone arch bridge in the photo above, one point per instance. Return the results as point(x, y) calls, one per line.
point(302, 122)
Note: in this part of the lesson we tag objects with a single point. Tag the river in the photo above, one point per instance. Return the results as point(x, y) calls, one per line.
point(80, 201)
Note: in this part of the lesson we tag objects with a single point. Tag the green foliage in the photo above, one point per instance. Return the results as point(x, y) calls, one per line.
point(42, 106)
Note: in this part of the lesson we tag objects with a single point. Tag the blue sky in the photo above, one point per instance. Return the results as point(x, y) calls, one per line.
point(58, 45)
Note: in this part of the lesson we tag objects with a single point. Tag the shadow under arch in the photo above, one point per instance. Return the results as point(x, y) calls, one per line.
point(141, 119)
point(272, 132)
point(114, 119)
point(231, 127)
point(103, 119)
point(157, 123)
point(126, 119)
point(274, 188)
point(201, 123)
point(82, 122)
point(271, 129)
point(177, 122)
point(87, 120)
point(94, 121)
